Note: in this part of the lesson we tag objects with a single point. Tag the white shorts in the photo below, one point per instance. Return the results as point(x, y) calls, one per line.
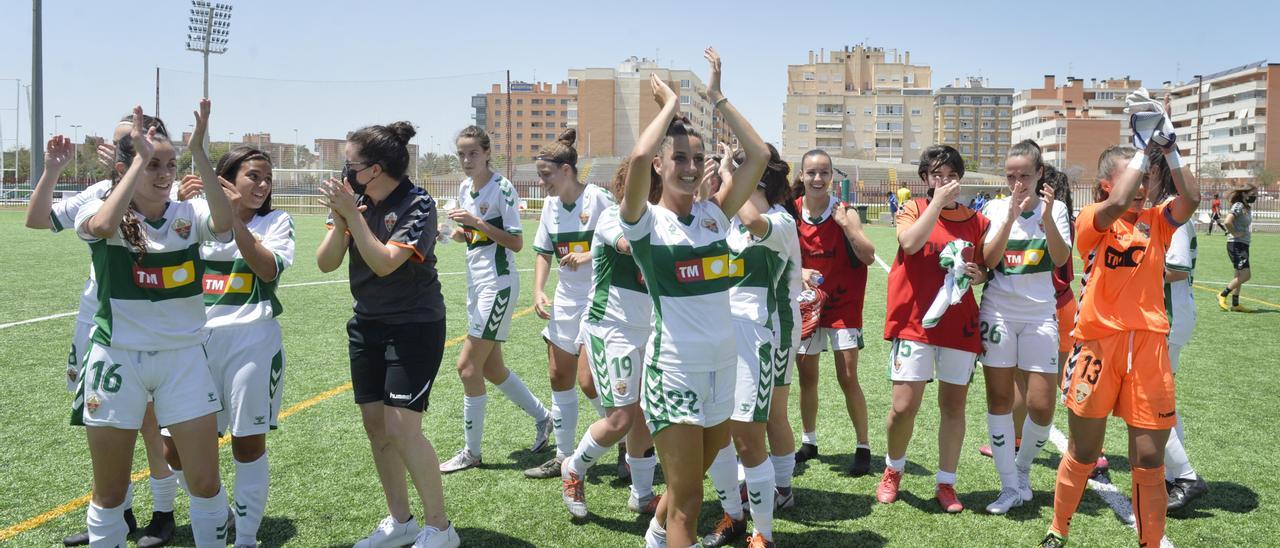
point(676, 397)
point(1028, 346)
point(115, 384)
point(783, 365)
point(247, 364)
point(616, 358)
point(1175, 354)
point(911, 361)
point(75, 358)
point(490, 309)
point(753, 383)
point(836, 338)
point(563, 328)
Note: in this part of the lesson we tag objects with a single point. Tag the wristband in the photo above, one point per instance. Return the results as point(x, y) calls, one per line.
point(1139, 162)
point(722, 99)
point(1174, 159)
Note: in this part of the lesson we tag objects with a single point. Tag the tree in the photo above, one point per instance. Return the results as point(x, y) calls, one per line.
point(1265, 176)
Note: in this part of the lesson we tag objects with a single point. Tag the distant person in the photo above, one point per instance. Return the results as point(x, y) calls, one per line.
point(1215, 214)
point(904, 193)
point(893, 206)
point(1240, 221)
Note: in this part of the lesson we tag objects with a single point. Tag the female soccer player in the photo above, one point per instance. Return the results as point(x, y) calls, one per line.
point(833, 244)
point(615, 327)
point(396, 337)
point(564, 234)
point(148, 331)
point(1240, 231)
point(932, 318)
point(491, 228)
point(1026, 241)
point(761, 239)
point(680, 246)
point(1121, 361)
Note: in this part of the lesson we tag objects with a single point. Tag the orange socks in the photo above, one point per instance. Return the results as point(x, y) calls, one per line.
point(1150, 502)
point(1073, 477)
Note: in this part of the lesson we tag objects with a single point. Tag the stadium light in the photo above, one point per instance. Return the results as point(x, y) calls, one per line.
point(208, 31)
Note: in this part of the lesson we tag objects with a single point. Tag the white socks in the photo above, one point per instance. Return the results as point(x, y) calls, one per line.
point(564, 414)
point(163, 491)
point(642, 474)
point(519, 394)
point(107, 526)
point(896, 464)
point(810, 438)
point(760, 484)
point(1033, 438)
point(724, 477)
point(209, 519)
point(949, 478)
point(784, 468)
point(1176, 463)
point(587, 454)
point(473, 419)
point(1001, 429)
point(250, 499)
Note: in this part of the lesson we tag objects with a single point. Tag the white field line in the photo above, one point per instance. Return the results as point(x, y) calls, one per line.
point(300, 284)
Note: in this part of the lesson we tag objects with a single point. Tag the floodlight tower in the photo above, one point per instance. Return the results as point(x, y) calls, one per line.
point(208, 31)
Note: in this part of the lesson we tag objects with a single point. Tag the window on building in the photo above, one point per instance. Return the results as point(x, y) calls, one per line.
point(551, 113)
point(519, 148)
point(804, 127)
point(497, 124)
point(915, 145)
point(837, 78)
point(497, 113)
point(685, 100)
point(915, 112)
point(535, 101)
point(564, 101)
point(889, 110)
point(809, 76)
point(535, 112)
point(519, 124)
point(519, 136)
point(989, 112)
point(686, 84)
point(535, 124)
point(802, 109)
point(519, 113)
point(519, 101)
point(866, 111)
point(564, 113)
point(573, 82)
point(966, 112)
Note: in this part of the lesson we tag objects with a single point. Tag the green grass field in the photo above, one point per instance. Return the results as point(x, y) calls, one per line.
point(324, 490)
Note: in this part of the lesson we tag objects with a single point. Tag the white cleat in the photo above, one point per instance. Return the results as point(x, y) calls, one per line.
point(1009, 498)
point(430, 537)
point(1024, 484)
point(461, 461)
point(390, 534)
point(545, 428)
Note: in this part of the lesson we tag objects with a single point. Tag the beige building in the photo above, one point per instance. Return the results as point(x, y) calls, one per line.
point(538, 113)
point(1221, 120)
point(610, 106)
point(975, 119)
point(859, 102)
point(1074, 123)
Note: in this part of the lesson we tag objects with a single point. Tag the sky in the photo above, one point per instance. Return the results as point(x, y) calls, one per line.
point(325, 67)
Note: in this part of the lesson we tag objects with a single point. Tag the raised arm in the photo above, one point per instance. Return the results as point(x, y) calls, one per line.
point(107, 219)
point(993, 248)
point(219, 205)
point(913, 235)
point(862, 247)
point(1123, 188)
point(1059, 247)
point(1188, 200)
point(57, 154)
point(640, 162)
point(732, 196)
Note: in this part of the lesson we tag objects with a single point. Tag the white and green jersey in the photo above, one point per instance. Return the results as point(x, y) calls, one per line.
point(154, 302)
point(495, 203)
point(618, 293)
point(756, 265)
point(568, 228)
point(1179, 303)
point(233, 294)
point(63, 216)
point(790, 284)
point(685, 262)
point(1022, 288)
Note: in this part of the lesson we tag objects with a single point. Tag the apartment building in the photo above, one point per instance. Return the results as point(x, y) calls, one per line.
point(1075, 122)
point(1221, 121)
point(860, 102)
point(975, 118)
point(538, 113)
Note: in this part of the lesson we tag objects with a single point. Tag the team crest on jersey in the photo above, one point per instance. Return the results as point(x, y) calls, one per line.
point(1144, 228)
point(182, 227)
point(390, 220)
point(484, 208)
point(620, 388)
point(584, 217)
point(1082, 392)
point(92, 403)
point(710, 224)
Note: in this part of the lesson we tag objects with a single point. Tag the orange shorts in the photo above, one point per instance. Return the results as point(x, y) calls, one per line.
point(1126, 374)
point(1066, 324)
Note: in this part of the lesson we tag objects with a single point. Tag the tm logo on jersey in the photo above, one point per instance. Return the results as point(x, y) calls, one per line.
point(1015, 258)
point(236, 282)
point(1116, 258)
point(164, 277)
point(706, 268)
point(565, 248)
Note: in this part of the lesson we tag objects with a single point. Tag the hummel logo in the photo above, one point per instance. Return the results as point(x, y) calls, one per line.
point(755, 497)
point(212, 398)
point(468, 425)
point(396, 396)
point(555, 422)
point(998, 441)
point(260, 419)
point(241, 509)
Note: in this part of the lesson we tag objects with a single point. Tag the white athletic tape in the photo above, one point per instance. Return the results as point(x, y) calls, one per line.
point(1107, 490)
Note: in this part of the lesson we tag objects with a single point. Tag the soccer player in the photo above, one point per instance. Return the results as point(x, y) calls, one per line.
point(396, 337)
point(615, 328)
point(762, 237)
point(1121, 361)
point(1215, 214)
point(1240, 220)
point(245, 345)
point(833, 245)
point(681, 249)
point(490, 223)
point(149, 326)
point(1027, 239)
point(564, 235)
point(930, 341)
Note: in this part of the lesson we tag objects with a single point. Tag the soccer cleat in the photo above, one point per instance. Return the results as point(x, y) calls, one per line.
point(461, 461)
point(573, 492)
point(430, 537)
point(783, 498)
point(887, 491)
point(1024, 485)
point(807, 451)
point(647, 505)
point(1241, 308)
point(985, 450)
point(624, 469)
point(82, 538)
point(1222, 302)
point(1100, 467)
point(159, 531)
point(861, 462)
point(1182, 491)
point(549, 469)
point(757, 540)
point(655, 536)
point(946, 497)
point(388, 533)
point(727, 530)
point(1053, 540)
point(541, 439)
point(1008, 498)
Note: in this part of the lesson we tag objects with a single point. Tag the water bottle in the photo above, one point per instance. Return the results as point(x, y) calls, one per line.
point(448, 227)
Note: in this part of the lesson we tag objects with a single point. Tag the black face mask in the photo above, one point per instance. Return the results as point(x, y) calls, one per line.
point(350, 176)
point(1251, 199)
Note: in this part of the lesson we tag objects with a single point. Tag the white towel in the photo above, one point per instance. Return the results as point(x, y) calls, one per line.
point(954, 286)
